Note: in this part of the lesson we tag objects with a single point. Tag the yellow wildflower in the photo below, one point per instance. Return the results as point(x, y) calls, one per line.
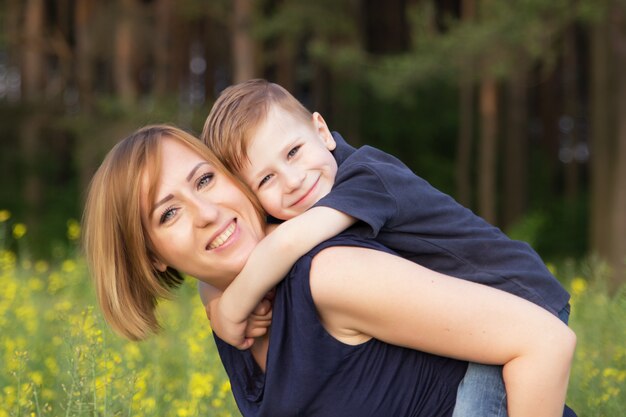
point(36, 377)
point(35, 284)
point(19, 230)
point(182, 412)
point(41, 266)
point(73, 229)
point(4, 215)
point(68, 265)
point(52, 365)
point(579, 286)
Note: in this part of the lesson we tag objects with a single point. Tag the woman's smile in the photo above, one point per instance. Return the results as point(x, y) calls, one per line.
point(223, 237)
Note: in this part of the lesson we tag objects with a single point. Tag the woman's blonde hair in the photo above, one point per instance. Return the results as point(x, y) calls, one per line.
point(238, 112)
point(117, 247)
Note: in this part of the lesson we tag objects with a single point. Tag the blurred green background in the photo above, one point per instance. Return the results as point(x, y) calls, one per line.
point(515, 108)
point(511, 107)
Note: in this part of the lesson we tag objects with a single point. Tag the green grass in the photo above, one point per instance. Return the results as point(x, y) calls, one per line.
point(59, 358)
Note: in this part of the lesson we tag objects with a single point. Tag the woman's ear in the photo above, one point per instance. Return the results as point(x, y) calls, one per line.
point(158, 265)
point(324, 133)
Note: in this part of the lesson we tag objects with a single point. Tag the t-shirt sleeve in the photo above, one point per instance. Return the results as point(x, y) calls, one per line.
point(361, 193)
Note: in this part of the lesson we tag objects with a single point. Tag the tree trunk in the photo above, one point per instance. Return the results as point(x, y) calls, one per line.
point(124, 80)
point(618, 223)
point(286, 64)
point(464, 141)
point(487, 150)
point(601, 162)
point(161, 46)
point(516, 150)
point(466, 120)
point(32, 89)
point(243, 44)
point(32, 50)
point(386, 26)
point(83, 18)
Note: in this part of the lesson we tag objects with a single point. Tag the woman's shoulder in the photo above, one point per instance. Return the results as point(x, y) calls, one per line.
point(338, 269)
point(340, 257)
point(355, 237)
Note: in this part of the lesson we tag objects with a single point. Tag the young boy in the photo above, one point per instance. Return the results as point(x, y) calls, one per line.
point(314, 180)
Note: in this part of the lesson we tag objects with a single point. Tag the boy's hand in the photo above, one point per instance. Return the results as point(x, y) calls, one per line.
point(260, 320)
point(240, 334)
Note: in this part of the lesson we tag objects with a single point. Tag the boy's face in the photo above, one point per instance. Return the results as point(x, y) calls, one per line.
point(290, 164)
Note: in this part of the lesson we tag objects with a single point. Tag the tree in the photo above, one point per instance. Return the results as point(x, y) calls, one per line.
point(515, 192)
point(601, 144)
point(618, 210)
point(488, 149)
point(83, 51)
point(466, 119)
point(243, 48)
point(125, 50)
point(162, 46)
point(32, 67)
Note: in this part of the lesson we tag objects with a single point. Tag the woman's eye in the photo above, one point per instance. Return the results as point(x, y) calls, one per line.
point(167, 215)
point(293, 151)
point(204, 180)
point(265, 179)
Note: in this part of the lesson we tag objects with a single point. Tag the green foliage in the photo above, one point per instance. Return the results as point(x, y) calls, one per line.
point(599, 320)
point(412, 130)
point(556, 231)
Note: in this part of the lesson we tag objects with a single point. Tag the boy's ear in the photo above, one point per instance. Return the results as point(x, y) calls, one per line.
point(322, 130)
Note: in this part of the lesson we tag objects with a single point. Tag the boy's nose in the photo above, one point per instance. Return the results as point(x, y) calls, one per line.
point(293, 179)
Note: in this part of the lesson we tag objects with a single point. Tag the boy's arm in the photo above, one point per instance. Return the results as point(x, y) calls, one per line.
point(256, 325)
point(268, 264)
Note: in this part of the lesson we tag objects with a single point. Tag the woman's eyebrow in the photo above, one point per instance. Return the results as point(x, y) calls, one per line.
point(193, 171)
point(170, 196)
point(161, 202)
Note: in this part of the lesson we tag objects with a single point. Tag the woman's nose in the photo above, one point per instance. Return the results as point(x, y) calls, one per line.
point(205, 213)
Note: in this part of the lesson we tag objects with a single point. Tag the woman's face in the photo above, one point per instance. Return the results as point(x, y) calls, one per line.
point(200, 222)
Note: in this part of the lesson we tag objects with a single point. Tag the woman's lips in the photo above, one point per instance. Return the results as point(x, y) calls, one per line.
point(223, 237)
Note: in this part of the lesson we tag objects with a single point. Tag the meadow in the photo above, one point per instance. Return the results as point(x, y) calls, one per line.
point(58, 358)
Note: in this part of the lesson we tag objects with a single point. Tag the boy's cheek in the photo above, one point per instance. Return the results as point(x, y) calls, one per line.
point(270, 204)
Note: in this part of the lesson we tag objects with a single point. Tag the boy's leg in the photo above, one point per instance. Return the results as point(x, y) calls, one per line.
point(481, 393)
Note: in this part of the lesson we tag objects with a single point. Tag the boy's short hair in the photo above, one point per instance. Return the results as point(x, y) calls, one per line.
point(238, 112)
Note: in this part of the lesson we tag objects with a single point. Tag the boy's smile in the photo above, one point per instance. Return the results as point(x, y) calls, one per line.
point(290, 164)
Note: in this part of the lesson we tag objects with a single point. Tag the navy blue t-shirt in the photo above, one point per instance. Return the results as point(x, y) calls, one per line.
point(406, 214)
point(310, 373)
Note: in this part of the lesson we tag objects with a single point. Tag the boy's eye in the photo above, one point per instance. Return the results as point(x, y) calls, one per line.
point(204, 180)
point(167, 215)
point(293, 152)
point(265, 179)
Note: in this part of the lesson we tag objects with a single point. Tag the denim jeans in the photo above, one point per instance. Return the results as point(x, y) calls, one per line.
point(481, 392)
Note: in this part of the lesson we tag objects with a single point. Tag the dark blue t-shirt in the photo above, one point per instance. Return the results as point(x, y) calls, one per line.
point(310, 373)
point(406, 214)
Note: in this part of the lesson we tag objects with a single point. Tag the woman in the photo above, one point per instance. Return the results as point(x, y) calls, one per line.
point(348, 321)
